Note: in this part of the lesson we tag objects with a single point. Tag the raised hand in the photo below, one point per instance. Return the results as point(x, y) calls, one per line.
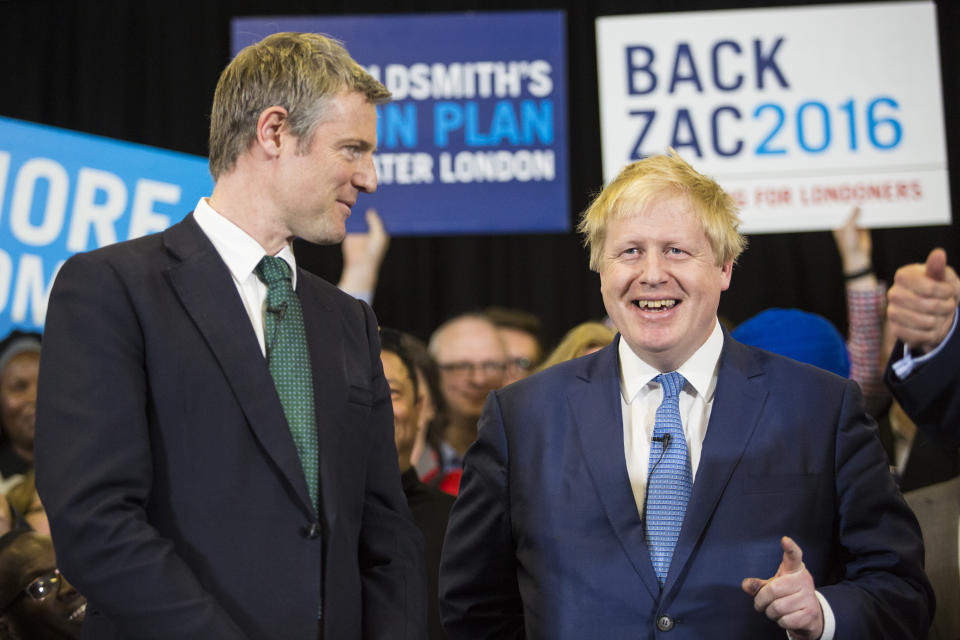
point(922, 302)
point(789, 597)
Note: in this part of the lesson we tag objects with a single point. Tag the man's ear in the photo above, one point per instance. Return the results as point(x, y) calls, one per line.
point(726, 272)
point(271, 123)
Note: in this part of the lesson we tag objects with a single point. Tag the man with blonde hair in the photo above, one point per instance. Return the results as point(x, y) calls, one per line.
point(678, 482)
point(215, 439)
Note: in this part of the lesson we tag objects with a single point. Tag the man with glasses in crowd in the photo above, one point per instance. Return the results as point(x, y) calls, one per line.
point(472, 363)
point(36, 602)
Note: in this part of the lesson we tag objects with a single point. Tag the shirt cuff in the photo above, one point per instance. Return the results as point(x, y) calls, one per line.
point(905, 365)
point(829, 622)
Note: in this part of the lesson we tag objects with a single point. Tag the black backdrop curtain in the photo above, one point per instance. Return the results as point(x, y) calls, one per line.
point(146, 71)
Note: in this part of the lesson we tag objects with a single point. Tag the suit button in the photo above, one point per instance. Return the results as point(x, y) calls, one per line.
point(312, 531)
point(664, 623)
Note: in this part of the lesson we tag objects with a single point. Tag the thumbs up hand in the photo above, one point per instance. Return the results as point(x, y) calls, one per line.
point(922, 302)
point(789, 597)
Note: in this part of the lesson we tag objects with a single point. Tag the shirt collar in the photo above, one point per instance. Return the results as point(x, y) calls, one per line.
point(700, 369)
point(236, 247)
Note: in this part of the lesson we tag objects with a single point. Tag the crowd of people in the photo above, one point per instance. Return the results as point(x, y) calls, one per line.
point(226, 446)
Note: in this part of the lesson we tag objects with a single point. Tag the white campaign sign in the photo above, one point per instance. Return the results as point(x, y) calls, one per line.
point(799, 113)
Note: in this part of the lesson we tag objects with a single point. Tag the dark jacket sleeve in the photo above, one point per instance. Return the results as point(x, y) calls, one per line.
point(479, 592)
point(94, 465)
point(390, 545)
point(881, 590)
point(931, 393)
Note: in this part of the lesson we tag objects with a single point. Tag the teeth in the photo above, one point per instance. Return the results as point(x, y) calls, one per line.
point(655, 304)
point(79, 614)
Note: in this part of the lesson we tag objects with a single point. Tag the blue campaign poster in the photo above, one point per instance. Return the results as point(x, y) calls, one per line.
point(475, 139)
point(62, 192)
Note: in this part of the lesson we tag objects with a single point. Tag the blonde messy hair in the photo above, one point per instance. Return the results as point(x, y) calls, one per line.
point(641, 182)
point(297, 71)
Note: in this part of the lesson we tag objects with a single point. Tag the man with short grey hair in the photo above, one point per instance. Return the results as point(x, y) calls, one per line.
point(215, 440)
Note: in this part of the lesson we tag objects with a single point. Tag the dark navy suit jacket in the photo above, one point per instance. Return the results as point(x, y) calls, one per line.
point(177, 501)
point(931, 394)
point(545, 540)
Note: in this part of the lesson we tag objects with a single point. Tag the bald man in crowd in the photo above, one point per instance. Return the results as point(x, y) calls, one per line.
point(472, 361)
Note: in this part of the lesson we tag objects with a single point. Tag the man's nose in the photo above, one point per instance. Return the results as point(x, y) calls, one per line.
point(478, 376)
point(652, 268)
point(66, 589)
point(365, 178)
point(482, 377)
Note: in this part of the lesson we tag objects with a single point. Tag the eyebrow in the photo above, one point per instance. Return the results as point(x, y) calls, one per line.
point(364, 145)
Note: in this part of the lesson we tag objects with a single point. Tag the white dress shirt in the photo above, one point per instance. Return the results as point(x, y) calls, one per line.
point(242, 254)
point(640, 396)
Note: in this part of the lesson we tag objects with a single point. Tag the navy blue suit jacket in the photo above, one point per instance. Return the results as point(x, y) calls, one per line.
point(177, 501)
point(931, 394)
point(545, 540)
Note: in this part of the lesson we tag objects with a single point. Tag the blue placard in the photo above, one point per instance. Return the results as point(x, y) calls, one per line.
point(62, 192)
point(475, 140)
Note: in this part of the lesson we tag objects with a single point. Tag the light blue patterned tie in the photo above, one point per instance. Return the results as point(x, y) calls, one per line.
point(669, 480)
point(289, 363)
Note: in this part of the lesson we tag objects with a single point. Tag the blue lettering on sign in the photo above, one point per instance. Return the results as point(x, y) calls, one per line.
point(63, 192)
point(537, 121)
point(811, 121)
point(765, 62)
point(809, 127)
point(892, 124)
point(815, 107)
point(397, 125)
point(648, 116)
point(715, 122)
point(767, 128)
point(641, 80)
point(531, 123)
point(764, 147)
point(684, 58)
point(715, 59)
point(447, 117)
point(684, 133)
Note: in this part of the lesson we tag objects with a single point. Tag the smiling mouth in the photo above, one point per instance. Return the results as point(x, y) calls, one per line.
point(78, 614)
point(656, 305)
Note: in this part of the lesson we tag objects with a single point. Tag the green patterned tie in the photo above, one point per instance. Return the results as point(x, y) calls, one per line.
point(289, 363)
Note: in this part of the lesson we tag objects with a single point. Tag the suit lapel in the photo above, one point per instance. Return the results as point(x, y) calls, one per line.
point(203, 283)
point(325, 343)
point(595, 407)
point(737, 404)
